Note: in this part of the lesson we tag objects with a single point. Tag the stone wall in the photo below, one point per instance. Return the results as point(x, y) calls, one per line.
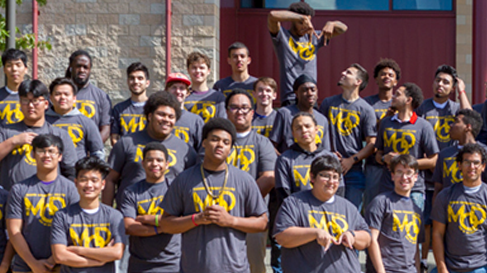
point(119, 32)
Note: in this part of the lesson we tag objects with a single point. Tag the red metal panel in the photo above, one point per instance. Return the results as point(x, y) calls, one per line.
point(418, 41)
point(479, 52)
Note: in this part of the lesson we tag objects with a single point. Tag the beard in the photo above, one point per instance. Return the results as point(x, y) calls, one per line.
point(81, 82)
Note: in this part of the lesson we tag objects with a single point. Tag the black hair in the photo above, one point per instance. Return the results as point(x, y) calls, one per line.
point(413, 91)
point(362, 75)
point(92, 163)
point(325, 163)
point(237, 45)
point(405, 160)
point(450, 70)
point(220, 124)
point(73, 57)
point(162, 99)
point(238, 91)
point(48, 140)
point(473, 118)
point(302, 8)
point(387, 63)
point(303, 114)
point(12, 54)
point(155, 146)
point(63, 81)
point(35, 87)
point(471, 148)
point(138, 66)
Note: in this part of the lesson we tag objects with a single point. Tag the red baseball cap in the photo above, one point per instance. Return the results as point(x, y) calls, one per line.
point(178, 77)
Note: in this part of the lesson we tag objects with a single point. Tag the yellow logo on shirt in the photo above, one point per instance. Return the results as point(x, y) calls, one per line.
point(90, 235)
point(181, 132)
point(1, 212)
point(442, 127)
point(298, 177)
point(263, 130)
point(468, 215)
point(139, 156)
point(202, 199)
point(336, 224)
point(399, 140)
point(11, 115)
point(242, 157)
point(75, 131)
point(44, 206)
point(205, 109)
point(344, 120)
point(86, 107)
point(305, 50)
point(136, 122)
point(27, 150)
point(153, 208)
point(381, 113)
point(410, 223)
point(452, 172)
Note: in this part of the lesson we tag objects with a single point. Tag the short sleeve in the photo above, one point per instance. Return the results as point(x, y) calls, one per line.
point(115, 123)
point(69, 155)
point(276, 134)
point(116, 160)
point(106, 110)
point(374, 214)
point(286, 216)
point(118, 234)
point(59, 234)
point(439, 210)
point(217, 87)
point(369, 128)
point(128, 205)
point(254, 203)
point(15, 203)
point(282, 177)
point(197, 137)
point(93, 138)
point(430, 146)
point(267, 155)
point(173, 199)
point(326, 139)
point(379, 141)
point(191, 158)
point(73, 194)
point(438, 173)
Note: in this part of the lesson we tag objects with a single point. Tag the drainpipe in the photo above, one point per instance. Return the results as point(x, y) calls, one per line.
point(168, 37)
point(35, 15)
point(11, 23)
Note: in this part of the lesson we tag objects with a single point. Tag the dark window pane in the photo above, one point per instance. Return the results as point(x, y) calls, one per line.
point(284, 4)
point(422, 5)
point(349, 4)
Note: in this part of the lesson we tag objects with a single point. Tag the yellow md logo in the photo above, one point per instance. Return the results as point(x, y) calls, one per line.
point(44, 205)
point(1, 212)
point(469, 216)
point(86, 107)
point(299, 180)
point(181, 132)
point(25, 149)
point(153, 208)
point(452, 170)
point(90, 235)
point(410, 223)
point(305, 50)
point(344, 120)
point(335, 223)
point(381, 113)
point(132, 123)
point(75, 131)
point(442, 127)
point(202, 200)
point(139, 156)
point(263, 130)
point(205, 109)
point(242, 157)
point(10, 115)
point(399, 140)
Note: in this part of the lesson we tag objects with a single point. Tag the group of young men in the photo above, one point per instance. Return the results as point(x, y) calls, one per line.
point(201, 178)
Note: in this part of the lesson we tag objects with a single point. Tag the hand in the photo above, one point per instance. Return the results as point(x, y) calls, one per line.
point(145, 219)
point(388, 157)
point(390, 112)
point(75, 249)
point(201, 219)
point(327, 31)
point(307, 26)
point(324, 238)
point(4, 267)
point(111, 243)
point(460, 85)
point(347, 164)
point(24, 138)
point(218, 215)
point(339, 155)
point(41, 266)
point(346, 239)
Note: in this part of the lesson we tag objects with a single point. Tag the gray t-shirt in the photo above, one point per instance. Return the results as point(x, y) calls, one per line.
point(253, 154)
point(95, 104)
point(189, 128)
point(292, 170)
point(207, 104)
point(35, 203)
point(296, 56)
point(158, 253)
point(211, 248)
point(263, 124)
point(128, 117)
point(415, 137)
point(74, 227)
point(302, 209)
point(226, 85)
point(126, 158)
point(3, 225)
point(350, 124)
point(282, 132)
point(380, 110)
point(9, 107)
point(464, 215)
point(20, 163)
point(83, 131)
point(400, 224)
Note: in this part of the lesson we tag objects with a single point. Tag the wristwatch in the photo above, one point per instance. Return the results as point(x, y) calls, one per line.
point(355, 158)
point(351, 232)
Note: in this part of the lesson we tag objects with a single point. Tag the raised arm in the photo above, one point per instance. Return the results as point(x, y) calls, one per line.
point(8, 145)
point(275, 18)
point(462, 96)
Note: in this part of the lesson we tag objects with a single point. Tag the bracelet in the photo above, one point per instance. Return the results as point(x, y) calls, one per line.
point(155, 229)
point(157, 220)
point(192, 219)
point(460, 93)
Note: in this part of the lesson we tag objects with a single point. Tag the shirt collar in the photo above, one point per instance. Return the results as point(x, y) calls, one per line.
point(411, 120)
point(440, 105)
point(10, 91)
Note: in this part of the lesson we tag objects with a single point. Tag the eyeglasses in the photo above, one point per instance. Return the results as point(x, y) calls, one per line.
point(407, 175)
point(243, 110)
point(329, 177)
point(468, 163)
point(34, 102)
point(51, 152)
